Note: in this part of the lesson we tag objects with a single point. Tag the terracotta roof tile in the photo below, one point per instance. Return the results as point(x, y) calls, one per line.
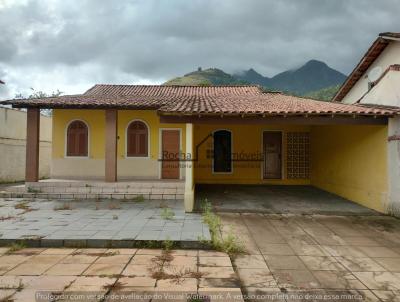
point(266, 103)
point(173, 91)
point(194, 100)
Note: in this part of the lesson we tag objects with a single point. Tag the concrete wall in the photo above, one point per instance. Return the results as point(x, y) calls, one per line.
point(351, 161)
point(390, 56)
point(387, 92)
point(393, 205)
point(13, 142)
point(93, 165)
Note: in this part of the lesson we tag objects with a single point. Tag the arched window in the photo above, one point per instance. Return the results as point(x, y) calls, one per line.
point(222, 159)
point(77, 139)
point(137, 139)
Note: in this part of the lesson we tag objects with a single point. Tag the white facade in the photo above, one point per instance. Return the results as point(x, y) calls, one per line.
point(389, 56)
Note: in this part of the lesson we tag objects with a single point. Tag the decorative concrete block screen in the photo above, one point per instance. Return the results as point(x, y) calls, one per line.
point(298, 155)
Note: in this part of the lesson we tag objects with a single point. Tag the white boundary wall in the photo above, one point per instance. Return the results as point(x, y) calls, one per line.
point(13, 142)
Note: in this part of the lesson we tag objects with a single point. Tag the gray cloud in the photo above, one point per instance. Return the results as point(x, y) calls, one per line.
point(53, 44)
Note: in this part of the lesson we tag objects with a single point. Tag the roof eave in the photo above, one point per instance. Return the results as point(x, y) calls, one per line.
point(383, 38)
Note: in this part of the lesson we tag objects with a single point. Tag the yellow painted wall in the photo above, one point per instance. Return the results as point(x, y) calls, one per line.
point(153, 121)
point(246, 139)
point(351, 161)
point(94, 165)
point(96, 121)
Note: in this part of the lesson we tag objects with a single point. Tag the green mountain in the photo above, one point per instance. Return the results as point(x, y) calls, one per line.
point(312, 76)
point(309, 78)
point(211, 76)
point(324, 94)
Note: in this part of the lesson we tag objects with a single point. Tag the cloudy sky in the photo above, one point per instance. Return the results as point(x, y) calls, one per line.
point(71, 45)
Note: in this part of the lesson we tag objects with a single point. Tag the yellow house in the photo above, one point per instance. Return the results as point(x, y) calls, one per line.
point(214, 135)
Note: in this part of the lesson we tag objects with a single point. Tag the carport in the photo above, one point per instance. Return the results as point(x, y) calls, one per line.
point(338, 169)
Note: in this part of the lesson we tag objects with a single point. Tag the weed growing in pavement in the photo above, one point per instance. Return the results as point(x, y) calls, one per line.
point(228, 243)
point(16, 246)
point(168, 244)
point(33, 190)
point(8, 217)
point(167, 214)
point(139, 198)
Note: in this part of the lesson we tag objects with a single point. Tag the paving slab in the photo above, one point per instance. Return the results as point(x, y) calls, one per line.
point(114, 271)
point(89, 223)
point(353, 257)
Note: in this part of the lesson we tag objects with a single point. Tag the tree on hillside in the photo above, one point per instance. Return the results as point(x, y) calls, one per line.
point(40, 94)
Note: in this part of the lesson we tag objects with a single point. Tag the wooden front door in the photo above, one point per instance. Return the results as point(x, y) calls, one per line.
point(170, 145)
point(272, 144)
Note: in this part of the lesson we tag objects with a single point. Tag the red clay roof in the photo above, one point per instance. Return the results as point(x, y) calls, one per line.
point(194, 100)
point(369, 57)
point(268, 103)
point(166, 91)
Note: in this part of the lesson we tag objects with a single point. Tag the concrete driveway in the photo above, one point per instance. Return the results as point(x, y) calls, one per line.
point(346, 257)
point(277, 199)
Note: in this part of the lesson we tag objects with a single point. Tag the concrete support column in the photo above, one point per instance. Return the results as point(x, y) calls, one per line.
point(189, 183)
point(394, 166)
point(111, 145)
point(32, 145)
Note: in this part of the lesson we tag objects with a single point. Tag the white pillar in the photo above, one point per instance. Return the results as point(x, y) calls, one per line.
point(393, 206)
point(189, 185)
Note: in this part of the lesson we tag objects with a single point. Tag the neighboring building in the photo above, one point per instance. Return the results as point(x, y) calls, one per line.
point(375, 82)
point(219, 134)
point(13, 145)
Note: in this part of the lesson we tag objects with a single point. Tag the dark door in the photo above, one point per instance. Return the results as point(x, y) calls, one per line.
point(222, 151)
point(170, 154)
point(272, 143)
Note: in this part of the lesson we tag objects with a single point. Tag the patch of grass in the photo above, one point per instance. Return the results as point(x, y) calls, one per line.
point(16, 246)
point(33, 190)
point(139, 198)
point(64, 207)
point(228, 243)
point(168, 244)
point(22, 206)
point(167, 214)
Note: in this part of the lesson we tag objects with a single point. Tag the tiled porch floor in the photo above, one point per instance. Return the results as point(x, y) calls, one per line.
point(56, 222)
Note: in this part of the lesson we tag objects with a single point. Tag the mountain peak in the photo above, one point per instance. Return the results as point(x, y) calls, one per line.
point(312, 76)
point(315, 63)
